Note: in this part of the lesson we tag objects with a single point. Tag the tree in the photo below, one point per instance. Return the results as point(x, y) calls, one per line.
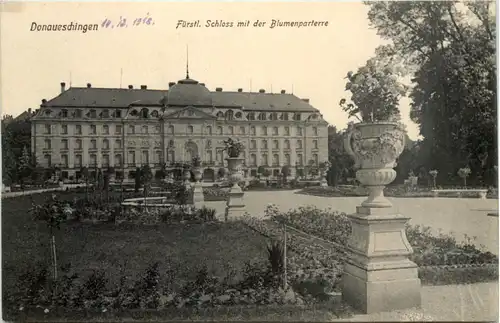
point(8, 158)
point(146, 176)
point(25, 166)
point(451, 47)
point(285, 171)
point(222, 172)
point(137, 177)
point(261, 170)
point(84, 173)
point(342, 163)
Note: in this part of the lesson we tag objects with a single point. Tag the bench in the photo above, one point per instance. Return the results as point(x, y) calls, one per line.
point(480, 192)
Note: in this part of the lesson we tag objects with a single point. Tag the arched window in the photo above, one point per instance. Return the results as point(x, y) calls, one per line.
point(144, 113)
point(220, 114)
point(251, 116)
point(64, 113)
point(229, 115)
point(262, 116)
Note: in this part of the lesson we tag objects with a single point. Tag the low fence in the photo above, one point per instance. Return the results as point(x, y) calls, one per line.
point(64, 187)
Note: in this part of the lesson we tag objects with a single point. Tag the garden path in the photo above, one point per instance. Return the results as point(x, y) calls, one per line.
point(460, 216)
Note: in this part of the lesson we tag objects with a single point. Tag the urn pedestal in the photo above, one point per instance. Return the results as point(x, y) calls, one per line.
point(378, 275)
point(235, 206)
point(198, 198)
point(324, 182)
point(187, 177)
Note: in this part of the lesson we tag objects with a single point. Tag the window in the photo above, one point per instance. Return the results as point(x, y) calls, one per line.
point(157, 160)
point(48, 144)
point(105, 144)
point(209, 143)
point(264, 144)
point(276, 160)
point(64, 144)
point(275, 131)
point(171, 144)
point(145, 157)
point(253, 144)
point(219, 130)
point(105, 113)
point(190, 129)
point(131, 129)
point(105, 161)
point(242, 130)
point(273, 116)
point(64, 113)
point(78, 129)
point(47, 129)
point(118, 113)
point(231, 130)
point(78, 160)
point(105, 129)
point(93, 129)
point(144, 129)
point(118, 144)
point(287, 159)
point(262, 116)
point(78, 144)
point(264, 131)
point(299, 131)
point(48, 160)
point(315, 144)
point(157, 129)
point(264, 160)
point(144, 113)
point(93, 160)
point(299, 144)
point(287, 131)
point(64, 161)
point(78, 113)
point(93, 144)
point(92, 114)
point(251, 116)
point(253, 160)
point(64, 129)
point(131, 157)
point(300, 160)
point(315, 131)
point(229, 115)
point(209, 130)
point(209, 156)
point(118, 160)
point(287, 144)
point(220, 114)
point(315, 158)
point(171, 129)
point(238, 115)
point(252, 131)
point(171, 156)
point(118, 129)
point(296, 116)
point(276, 144)
point(154, 114)
point(284, 116)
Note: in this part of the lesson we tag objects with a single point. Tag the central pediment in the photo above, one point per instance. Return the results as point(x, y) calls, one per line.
point(189, 113)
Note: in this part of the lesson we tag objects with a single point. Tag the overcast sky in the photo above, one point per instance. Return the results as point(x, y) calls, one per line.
point(311, 61)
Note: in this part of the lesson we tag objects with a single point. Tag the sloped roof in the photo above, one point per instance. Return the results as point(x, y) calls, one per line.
point(123, 98)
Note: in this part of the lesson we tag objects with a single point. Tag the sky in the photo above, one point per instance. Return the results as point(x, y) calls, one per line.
point(310, 61)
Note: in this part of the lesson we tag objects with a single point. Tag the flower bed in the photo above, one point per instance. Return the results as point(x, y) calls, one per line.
point(215, 194)
point(428, 250)
point(142, 214)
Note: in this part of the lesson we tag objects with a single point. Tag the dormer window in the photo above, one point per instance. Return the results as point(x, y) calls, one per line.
point(238, 115)
point(273, 116)
point(144, 113)
point(118, 113)
point(93, 114)
point(229, 115)
point(78, 113)
point(64, 113)
point(134, 113)
point(296, 117)
point(262, 116)
point(251, 116)
point(220, 114)
point(154, 114)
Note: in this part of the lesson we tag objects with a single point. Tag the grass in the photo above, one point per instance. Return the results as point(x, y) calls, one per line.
point(109, 247)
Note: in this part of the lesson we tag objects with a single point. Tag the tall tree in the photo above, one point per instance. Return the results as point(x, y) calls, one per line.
point(342, 163)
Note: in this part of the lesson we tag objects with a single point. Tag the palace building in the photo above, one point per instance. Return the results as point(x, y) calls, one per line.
point(126, 128)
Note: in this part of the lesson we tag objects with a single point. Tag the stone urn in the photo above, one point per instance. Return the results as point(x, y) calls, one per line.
point(198, 198)
point(378, 275)
point(235, 206)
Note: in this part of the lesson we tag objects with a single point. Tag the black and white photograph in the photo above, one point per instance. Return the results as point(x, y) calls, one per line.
point(249, 161)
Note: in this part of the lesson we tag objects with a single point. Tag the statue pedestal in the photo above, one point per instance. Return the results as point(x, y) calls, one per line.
point(235, 205)
point(378, 275)
point(198, 198)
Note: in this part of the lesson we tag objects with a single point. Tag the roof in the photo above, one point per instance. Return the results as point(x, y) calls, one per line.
point(183, 93)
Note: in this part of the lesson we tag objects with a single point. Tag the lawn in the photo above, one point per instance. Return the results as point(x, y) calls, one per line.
point(125, 250)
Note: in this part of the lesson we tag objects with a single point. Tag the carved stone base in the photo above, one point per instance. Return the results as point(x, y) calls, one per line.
point(198, 198)
point(378, 275)
point(235, 206)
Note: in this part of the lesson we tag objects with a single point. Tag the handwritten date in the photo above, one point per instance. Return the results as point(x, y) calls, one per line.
point(123, 22)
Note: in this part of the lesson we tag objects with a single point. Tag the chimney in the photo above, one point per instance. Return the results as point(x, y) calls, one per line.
point(44, 101)
point(144, 87)
point(219, 89)
point(29, 111)
point(130, 87)
point(89, 85)
point(171, 84)
point(305, 100)
point(283, 91)
point(63, 87)
point(240, 90)
point(262, 91)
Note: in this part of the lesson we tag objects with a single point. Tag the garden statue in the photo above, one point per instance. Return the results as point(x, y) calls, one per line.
point(434, 174)
point(324, 167)
point(464, 173)
point(198, 197)
point(235, 206)
point(378, 275)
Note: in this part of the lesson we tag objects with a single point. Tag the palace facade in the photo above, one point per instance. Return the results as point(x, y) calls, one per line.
point(127, 128)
